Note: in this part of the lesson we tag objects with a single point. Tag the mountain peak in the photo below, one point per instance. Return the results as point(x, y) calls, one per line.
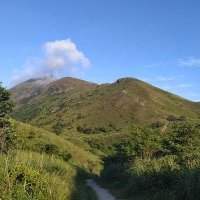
point(122, 103)
point(40, 81)
point(127, 80)
point(70, 81)
point(30, 88)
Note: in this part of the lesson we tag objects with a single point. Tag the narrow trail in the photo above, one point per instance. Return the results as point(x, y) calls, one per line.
point(102, 193)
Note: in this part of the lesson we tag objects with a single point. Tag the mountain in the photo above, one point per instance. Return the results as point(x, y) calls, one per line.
point(151, 151)
point(70, 105)
point(29, 89)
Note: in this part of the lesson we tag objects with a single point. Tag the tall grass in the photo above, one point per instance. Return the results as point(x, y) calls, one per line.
point(39, 140)
point(31, 175)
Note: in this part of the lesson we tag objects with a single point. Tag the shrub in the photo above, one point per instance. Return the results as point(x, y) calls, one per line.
point(65, 156)
point(50, 149)
point(157, 124)
point(58, 127)
point(7, 136)
point(172, 118)
point(84, 130)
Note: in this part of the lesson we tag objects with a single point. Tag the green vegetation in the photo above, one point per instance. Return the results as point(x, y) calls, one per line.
point(153, 165)
point(39, 140)
point(31, 175)
point(69, 105)
point(41, 165)
point(141, 142)
point(6, 131)
point(63, 165)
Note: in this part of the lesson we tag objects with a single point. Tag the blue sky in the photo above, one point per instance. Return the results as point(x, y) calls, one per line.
point(102, 40)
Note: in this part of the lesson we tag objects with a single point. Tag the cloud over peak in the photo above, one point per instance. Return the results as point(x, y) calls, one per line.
point(60, 57)
point(61, 53)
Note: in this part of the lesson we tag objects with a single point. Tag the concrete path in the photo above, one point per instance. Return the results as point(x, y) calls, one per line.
point(102, 193)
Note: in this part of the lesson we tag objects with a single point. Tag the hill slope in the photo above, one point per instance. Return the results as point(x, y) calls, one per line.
point(46, 166)
point(35, 139)
point(29, 89)
point(70, 105)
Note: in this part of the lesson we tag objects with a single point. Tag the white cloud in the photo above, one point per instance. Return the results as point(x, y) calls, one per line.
point(62, 53)
point(60, 57)
point(189, 62)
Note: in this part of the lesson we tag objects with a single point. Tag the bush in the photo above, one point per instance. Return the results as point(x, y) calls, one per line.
point(65, 156)
point(172, 118)
point(162, 166)
point(87, 130)
point(58, 127)
point(50, 149)
point(7, 136)
point(84, 130)
point(157, 124)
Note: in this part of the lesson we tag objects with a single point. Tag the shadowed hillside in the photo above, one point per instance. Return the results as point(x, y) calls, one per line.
point(46, 166)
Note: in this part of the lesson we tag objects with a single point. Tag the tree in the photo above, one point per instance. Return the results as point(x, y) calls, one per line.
point(6, 131)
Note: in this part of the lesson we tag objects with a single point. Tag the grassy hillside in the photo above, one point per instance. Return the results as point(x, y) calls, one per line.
point(39, 140)
point(143, 142)
point(146, 163)
point(71, 105)
point(45, 166)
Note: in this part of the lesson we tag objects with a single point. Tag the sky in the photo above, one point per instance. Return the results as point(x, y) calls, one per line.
point(102, 40)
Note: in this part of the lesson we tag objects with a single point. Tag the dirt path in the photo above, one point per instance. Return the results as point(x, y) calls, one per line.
point(102, 193)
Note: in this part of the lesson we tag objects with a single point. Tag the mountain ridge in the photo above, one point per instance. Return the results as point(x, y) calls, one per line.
point(91, 108)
